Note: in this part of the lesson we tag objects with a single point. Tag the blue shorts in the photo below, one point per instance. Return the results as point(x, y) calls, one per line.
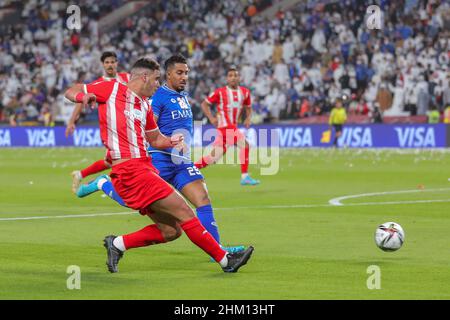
point(177, 174)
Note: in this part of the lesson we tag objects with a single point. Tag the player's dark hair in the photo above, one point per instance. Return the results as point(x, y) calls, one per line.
point(107, 54)
point(146, 63)
point(176, 58)
point(232, 68)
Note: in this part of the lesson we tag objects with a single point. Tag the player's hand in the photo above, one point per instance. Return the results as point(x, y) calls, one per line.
point(70, 129)
point(214, 121)
point(177, 142)
point(90, 100)
point(247, 123)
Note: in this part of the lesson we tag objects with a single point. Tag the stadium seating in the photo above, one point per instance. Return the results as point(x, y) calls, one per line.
point(296, 63)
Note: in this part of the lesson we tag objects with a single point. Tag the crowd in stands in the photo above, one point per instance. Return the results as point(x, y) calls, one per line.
point(296, 63)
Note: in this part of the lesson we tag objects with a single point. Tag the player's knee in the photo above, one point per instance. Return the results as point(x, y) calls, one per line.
point(203, 200)
point(171, 234)
point(184, 212)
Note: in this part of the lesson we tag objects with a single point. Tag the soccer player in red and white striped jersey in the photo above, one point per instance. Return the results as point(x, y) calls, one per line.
point(110, 63)
point(127, 124)
point(231, 101)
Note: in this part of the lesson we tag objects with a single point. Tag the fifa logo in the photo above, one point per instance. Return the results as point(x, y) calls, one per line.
point(374, 18)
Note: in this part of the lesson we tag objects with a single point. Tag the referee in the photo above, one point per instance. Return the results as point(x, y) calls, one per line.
point(338, 117)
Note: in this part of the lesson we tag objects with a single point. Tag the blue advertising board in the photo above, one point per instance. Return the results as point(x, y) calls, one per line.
point(284, 136)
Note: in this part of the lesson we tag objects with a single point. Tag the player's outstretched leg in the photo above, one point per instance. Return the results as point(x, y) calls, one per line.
point(176, 207)
point(171, 215)
point(244, 155)
point(93, 186)
point(197, 194)
point(113, 254)
point(94, 168)
point(101, 183)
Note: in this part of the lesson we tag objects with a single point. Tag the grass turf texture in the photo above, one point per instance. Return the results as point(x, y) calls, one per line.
point(318, 252)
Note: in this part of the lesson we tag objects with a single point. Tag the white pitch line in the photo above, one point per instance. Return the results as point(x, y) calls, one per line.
point(337, 201)
point(240, 208)
point(68, 216)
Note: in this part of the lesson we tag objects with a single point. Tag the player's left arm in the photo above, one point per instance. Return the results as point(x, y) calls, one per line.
point(157, 139)
point(247, 109)
point(248, 116)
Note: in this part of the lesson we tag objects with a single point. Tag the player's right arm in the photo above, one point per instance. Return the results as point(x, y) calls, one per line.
point(206, 108)
point(70, 128)
point(77, 94)
point(213, 98)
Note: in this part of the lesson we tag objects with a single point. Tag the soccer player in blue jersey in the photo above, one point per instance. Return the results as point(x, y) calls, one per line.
point(173, 115)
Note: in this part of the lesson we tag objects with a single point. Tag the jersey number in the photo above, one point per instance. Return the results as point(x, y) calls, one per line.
point(193, 171)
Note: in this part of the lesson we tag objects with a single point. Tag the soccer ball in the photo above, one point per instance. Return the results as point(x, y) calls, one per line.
point(389, 236)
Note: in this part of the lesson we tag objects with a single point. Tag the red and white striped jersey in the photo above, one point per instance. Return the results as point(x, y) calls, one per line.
point(124, 118)
point(122, 77)
point(229, 104)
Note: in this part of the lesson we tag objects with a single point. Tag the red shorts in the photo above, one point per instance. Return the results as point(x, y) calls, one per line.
point(108, 159)
point(228, 136)
point(137, 182)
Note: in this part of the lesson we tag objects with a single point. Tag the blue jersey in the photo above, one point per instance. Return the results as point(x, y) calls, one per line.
point(174, 116)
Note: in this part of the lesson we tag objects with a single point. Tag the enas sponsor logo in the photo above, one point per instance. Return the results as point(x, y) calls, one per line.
point(87, 138)
point(416, 137)
point(295, 137)
point(41, 137)
point(356, 137)
point(179, 114)
point(5, 138)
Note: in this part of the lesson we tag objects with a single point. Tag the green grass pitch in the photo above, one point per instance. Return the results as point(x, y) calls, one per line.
point(304, 247)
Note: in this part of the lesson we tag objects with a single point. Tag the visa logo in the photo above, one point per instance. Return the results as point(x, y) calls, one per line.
point(5, 138)
point(356, 137)
point(41, 137)
point(295, 137)
point(87, 138)
point(416, 137)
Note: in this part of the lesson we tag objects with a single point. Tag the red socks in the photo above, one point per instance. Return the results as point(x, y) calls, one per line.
point(94, 168)
point(204, 162)
point(203, 239)
point(144, 237)
point(244, 158)
point(194, 230)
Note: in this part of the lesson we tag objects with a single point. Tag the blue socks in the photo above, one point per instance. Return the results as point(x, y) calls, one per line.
point(108, 189)
point(206, 216)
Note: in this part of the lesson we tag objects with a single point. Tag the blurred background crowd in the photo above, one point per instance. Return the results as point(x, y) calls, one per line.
point(296, 61)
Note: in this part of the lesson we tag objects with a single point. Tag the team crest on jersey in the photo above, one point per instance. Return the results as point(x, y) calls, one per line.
point(182, 103)
point(135, 114)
